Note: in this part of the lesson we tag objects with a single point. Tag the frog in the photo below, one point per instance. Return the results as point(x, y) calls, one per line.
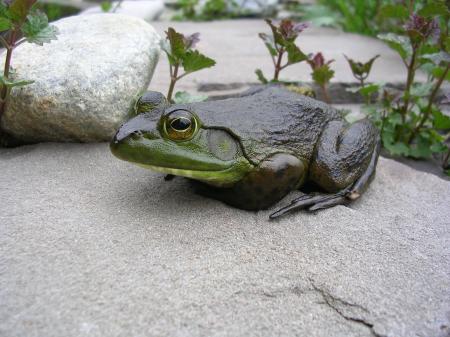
point(252, 150)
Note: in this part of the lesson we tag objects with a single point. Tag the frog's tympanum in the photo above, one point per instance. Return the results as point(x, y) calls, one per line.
point(252, 150)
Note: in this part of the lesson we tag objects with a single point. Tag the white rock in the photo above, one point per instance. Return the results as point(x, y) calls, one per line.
point(257, 6)
point(85, 82)
point(251, 6)
point(148, 10)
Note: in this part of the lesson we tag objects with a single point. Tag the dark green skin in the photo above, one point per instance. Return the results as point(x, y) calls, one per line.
point(289, 140)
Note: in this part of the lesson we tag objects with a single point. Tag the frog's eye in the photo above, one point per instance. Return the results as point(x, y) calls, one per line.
point(180, 125)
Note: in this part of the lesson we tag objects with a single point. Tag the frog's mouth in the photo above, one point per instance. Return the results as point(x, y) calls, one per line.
point(162, 156)
point(218, 178)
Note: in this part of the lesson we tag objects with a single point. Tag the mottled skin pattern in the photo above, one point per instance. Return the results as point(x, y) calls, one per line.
point(289, 139)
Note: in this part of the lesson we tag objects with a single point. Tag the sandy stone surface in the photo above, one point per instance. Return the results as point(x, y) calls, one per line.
point(93, 246)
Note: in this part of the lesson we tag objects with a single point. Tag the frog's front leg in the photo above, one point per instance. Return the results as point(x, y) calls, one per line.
point(268, 183)
point(344, 164)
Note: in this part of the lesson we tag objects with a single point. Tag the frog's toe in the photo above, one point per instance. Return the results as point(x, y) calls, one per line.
point(312, 203)
point(333, 200)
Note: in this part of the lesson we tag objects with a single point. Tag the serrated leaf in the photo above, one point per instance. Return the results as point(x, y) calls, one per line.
point(422, 89)
point(5, 24)
point(369, 89)
point(438, 148)
point(194, 61)
point(438, 72)
point(277, 37)
point(394, 119)
point(438, 58)
point(268, 41)
point(401, 44)
point(434, 8)
point(261, 76)
point(398, 149)
point(441, 121)
point(394, 11)
point(295, 55)
point(11, 83)
point(322, 75)
point(423, 146)
point(176, 41)
point(37, 30)
point(106, 6)
point(19, 9)
point(183, 97)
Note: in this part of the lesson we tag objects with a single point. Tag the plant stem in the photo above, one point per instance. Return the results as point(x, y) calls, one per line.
point(363, 85)
point(173, 80)
point(278, 65)
point(9, 49)
point(429, 107)
point(409, 82)
point(326, 96)
point(446, 160)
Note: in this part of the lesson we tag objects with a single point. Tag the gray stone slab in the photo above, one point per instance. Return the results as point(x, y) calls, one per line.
point(236, 47)
point(93, 246)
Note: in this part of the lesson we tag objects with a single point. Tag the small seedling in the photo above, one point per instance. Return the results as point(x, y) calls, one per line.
point(20, 22)
point(321, 73)
point(361, 72)
point(181, 54)
point(281, 43)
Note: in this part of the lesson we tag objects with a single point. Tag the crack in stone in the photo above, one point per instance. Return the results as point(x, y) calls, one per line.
point(331, 301)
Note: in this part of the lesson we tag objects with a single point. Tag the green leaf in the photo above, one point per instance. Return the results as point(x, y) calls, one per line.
point(322, 75)
point(194, 61)
point(438, 58)
point(398, 148)
point(394, 11)
point(422, 89)
point(19, 9)
point(395, 119)
point(11, 83)
point(295, 55)
point(401, 44)
point(37, 30)
point(5, 24)
point(183, 97)
point(447, 172)
point(176, 41)
point(438, 148)
point(106, 6)
point(277, 37)
point(261, 76)
point(434, 8)
point(438, 72)
point(420, 150)
point(441, 121)
point(268, 41)
point(369, 89)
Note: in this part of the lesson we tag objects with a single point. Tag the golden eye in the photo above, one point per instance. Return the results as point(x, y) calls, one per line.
point(180, 125)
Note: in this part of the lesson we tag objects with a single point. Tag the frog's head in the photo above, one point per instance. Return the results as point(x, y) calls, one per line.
point(172, 140)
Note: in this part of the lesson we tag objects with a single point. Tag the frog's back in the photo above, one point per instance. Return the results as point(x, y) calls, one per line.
point(270, 120)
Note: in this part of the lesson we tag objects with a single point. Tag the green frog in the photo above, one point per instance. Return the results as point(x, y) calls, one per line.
point(250, 151)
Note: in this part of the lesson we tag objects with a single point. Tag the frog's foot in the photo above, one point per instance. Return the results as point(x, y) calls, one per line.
point(315, 202)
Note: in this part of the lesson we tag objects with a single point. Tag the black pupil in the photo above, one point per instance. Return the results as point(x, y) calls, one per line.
point(180, 124)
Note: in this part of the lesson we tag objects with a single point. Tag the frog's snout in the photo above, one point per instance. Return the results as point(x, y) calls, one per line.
point(136, 126)
point(121, 134)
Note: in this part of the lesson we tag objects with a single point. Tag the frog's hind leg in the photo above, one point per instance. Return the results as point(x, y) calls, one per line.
point(344, 165)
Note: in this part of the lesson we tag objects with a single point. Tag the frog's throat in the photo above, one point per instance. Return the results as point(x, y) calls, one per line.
point(221, 178)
